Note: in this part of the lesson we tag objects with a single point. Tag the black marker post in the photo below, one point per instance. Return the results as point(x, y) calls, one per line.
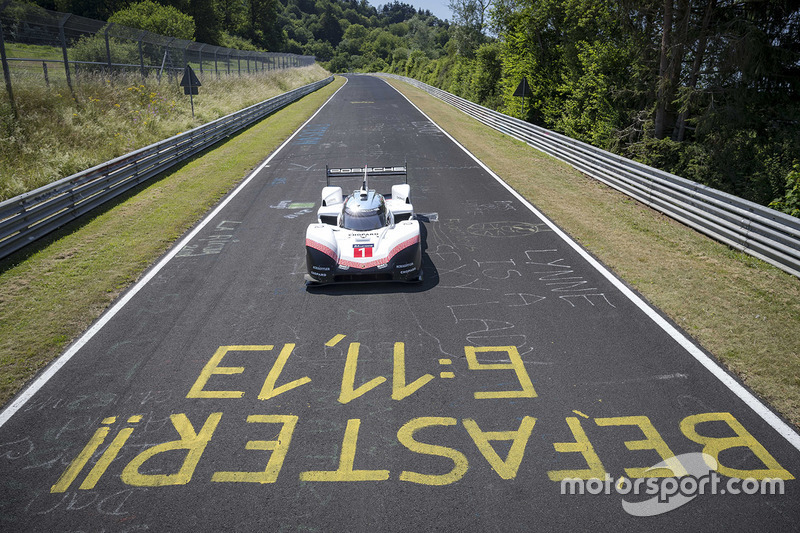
point(190, 83)
point(523, 90)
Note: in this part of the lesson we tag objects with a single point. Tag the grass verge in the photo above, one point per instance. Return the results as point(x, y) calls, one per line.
point(51, 294)
point(742, 310)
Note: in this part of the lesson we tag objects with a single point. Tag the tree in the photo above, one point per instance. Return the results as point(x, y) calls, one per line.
point(383, 44)
point(469, 18)
point(357, 33)
point(208, 20)
point(322, 50)
point(487, 75)
point(263, 25)
point(422, 36)
point(665, 81)
point(86, 8)
point(397, 12)
point(330, 27)
point(688, 94)
point(233, 15)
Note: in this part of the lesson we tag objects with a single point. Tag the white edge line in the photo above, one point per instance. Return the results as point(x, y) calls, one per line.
point(711, 365)
point(56, 365)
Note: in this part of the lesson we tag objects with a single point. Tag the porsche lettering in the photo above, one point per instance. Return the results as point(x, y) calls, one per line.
point(360, 170)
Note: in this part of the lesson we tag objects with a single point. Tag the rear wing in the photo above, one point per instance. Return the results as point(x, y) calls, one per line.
point(365, 172)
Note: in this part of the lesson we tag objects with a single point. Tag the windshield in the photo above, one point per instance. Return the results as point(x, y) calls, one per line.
point(361, 221)
point(364, 212)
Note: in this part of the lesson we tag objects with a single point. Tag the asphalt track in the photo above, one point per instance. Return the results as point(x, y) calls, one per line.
point(224, 395)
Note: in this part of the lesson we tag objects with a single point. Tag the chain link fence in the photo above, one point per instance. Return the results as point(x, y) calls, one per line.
point(53, 47)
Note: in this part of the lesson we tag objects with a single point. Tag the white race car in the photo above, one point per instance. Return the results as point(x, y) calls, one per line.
point(366, 236)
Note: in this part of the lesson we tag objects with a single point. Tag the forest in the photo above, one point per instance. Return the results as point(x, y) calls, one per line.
point(706, 89)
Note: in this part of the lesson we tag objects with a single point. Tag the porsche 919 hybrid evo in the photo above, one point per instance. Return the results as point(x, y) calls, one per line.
point(366, 236)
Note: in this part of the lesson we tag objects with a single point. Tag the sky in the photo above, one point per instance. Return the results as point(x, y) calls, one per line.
point(437, 7)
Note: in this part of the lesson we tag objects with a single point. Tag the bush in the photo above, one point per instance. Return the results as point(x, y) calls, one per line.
point(377, 65)
point(92, 48)
point(236, 42)
point(163, 20)
point(400, 54)
point(790, 203)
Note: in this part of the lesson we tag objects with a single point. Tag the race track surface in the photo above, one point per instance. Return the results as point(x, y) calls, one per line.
point(225, 395)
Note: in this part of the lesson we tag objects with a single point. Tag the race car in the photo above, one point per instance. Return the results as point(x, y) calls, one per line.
point(366, 236)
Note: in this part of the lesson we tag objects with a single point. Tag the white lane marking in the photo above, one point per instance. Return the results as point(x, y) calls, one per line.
point(56, 365)
point(710, 364)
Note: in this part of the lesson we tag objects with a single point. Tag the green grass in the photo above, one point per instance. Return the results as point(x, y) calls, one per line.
point(51, 293)
point(32, 51)
point(58, 133)
point(742, 310)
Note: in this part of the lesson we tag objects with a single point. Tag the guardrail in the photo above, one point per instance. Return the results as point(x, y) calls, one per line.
point(27, 217)
point(752, 228)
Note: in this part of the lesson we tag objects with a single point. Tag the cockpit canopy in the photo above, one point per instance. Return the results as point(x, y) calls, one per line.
point(364, 211)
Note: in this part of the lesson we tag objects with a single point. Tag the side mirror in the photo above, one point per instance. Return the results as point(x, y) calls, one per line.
point(402, 192)
point(331, 196)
